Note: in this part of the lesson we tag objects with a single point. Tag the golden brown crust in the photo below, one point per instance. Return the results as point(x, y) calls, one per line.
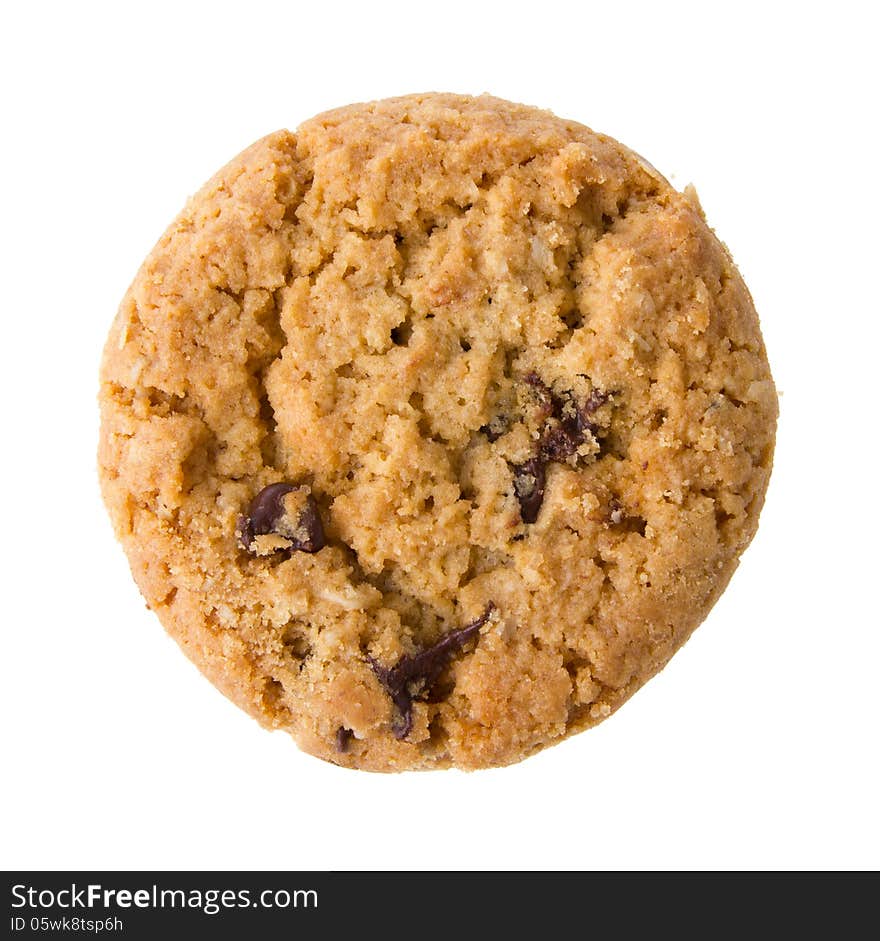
point(401, 306)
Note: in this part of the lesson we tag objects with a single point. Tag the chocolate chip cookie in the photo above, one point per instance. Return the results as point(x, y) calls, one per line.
point(433, 429)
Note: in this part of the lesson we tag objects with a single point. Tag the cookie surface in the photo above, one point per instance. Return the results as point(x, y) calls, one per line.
point(432, 430)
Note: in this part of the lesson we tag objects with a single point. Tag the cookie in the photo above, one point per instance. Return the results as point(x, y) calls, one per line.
point(433, 429)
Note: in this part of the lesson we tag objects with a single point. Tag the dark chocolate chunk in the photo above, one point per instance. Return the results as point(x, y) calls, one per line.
point(266, 507)
point(413, 676)
point(343, 737)
point(395, 681)
point(571, 425)
point(266, 515)
point(548, 403)
point(308, 533)
point(573, 418)
point(596, 400)
point(244, 532)
point(562, 439)
point(529, 480)
point(566, 426)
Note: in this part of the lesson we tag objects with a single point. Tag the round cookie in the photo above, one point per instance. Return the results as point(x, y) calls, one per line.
point(432, 430)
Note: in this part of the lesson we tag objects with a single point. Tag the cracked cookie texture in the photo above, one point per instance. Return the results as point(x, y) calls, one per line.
point(433, 429)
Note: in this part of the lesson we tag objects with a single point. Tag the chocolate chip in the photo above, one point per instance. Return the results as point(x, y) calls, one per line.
point(343, 737)
point(548, 403)
point(529, 480)
point(244, 533)
point(560, 441)
point(266, 507)
point(308, 534)
point(566, 426)
point(413, 675)
point(266, 515)
point(596, 400)
point(571, 426)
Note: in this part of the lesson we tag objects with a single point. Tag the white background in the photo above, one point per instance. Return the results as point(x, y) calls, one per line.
point(756, 747)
